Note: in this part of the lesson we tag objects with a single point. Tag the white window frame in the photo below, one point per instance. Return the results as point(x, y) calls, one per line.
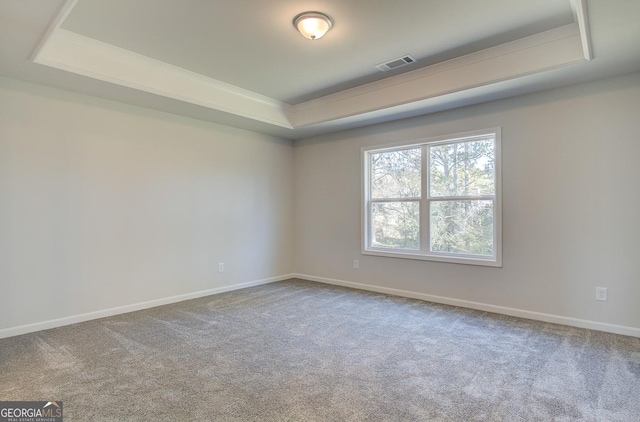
point(424, 253)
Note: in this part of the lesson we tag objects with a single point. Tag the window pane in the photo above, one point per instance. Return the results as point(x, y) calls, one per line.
point(462, 227)
point(463, 168)
point(395, 225)
point(396, 174)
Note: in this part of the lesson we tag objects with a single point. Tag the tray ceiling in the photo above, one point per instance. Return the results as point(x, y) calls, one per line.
point(253, 44)
point(241, 63)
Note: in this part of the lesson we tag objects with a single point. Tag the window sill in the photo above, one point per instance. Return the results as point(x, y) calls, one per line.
point(466, 260)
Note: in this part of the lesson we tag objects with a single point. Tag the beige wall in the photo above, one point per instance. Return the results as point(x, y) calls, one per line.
point(105, 205)
point(571, 205)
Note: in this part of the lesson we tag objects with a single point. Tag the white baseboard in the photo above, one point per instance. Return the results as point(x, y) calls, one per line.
point(74, 319)
point(538, 316)
point(556, 319)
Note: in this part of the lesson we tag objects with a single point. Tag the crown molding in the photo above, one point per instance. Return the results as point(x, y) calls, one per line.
point(579, 8)
point(566, 45)
point(85, 56)
point(66, 8)
point(537, 53)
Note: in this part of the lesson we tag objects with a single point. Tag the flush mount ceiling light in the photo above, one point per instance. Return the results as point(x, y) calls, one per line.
point(312, 25)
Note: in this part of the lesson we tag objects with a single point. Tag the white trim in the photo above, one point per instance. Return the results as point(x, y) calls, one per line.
point(66, 8)
point(503, 310)
point(74, 319)
point(393, 96)
point(579, 8)
point(85, 56)
point(497, 212)
point(541, 39)
point(537, 316)
point(424, 253)
point(433, 256)
point(537, 53)
point(425, 215)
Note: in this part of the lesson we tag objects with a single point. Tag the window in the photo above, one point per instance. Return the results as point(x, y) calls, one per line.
point(436, 199)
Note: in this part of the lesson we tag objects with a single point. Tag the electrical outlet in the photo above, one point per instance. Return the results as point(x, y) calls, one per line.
point(221, 267)
point(356, 264)
point(601, 293)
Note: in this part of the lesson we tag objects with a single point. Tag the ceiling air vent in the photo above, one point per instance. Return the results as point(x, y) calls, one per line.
point(396, 63)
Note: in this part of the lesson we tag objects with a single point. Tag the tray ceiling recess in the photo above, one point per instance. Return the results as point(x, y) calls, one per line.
point(396, 95)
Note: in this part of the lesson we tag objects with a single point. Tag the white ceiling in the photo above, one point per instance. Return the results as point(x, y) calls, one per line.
point(253, 44)
point(256, 72)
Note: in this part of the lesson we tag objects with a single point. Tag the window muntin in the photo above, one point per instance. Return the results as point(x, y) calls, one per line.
point(436, 199)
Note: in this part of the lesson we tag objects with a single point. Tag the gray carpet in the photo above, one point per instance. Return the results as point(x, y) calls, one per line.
point(301, 351)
